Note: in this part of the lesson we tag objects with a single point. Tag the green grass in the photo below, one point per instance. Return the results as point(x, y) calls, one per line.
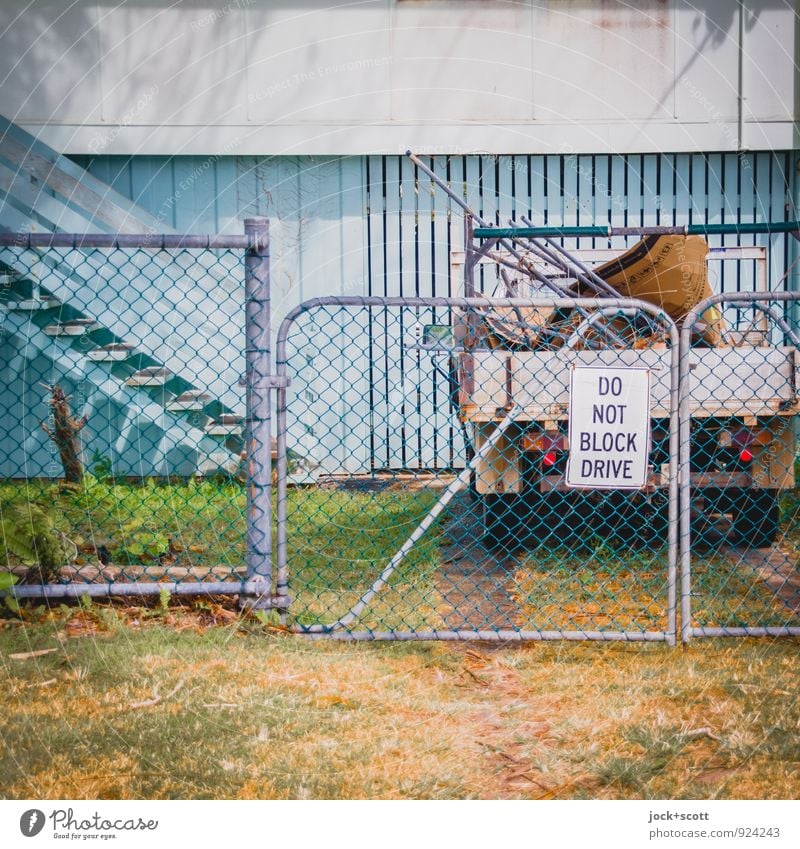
point(727, 594)
point(340, 541)
point(595, 588)
point(245, 712)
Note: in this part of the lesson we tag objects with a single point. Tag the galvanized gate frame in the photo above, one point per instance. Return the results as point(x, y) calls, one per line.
point(339, 629)
point(256, 588)
point(761, 302)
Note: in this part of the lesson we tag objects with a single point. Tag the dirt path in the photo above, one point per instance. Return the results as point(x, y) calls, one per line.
point(473, 579)
point(777, 569)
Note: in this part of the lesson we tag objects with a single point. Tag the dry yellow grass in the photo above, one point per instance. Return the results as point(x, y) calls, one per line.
point(232, 710)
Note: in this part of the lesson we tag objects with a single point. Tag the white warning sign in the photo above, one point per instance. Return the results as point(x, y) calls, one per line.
point(609, 428)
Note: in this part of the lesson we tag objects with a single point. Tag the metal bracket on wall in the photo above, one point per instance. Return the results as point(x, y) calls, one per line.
point(271, 382)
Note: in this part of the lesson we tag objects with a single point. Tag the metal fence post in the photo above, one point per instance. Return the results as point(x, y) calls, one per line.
point(258, 438)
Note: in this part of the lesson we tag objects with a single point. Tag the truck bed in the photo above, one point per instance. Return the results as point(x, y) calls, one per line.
point(724, 381)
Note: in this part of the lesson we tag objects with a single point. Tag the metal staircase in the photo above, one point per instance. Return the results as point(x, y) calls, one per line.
point(159, 333)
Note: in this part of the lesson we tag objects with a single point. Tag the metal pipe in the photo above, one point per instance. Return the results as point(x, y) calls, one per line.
point(470, 212)
point(673, 481)
point(518, 267)
point(735, 298)
point(531, 271)
point(458, 303)
point(684, 484)
point(153, 241)
point(599, 284)
point(281, 542)
point(501, 636)
point(534, 232)
point(567, 262)
point(554, 259)
point(787, 631)
point(258, 439)
point(562, 258)
point(679, 230)
point(140, 589)
point(740, 81)
point(794, 244)
point(447, 190)
point(733, 229)
point(587, 323)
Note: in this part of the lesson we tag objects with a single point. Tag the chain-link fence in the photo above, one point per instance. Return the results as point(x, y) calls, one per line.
point(453, 468)
point(740, 513)
point(124, 412)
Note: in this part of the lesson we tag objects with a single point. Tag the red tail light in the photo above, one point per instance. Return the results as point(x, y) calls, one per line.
point(746, 455)
point(549, 458)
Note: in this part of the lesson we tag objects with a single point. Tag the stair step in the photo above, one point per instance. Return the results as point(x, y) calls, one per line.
point(74, 327)
point(114, 352)
point(192, 399)
point(32, 304)
point(227, 424)
point(150, 376)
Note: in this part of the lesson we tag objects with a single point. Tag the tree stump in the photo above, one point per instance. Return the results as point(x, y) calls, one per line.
point(65, 433)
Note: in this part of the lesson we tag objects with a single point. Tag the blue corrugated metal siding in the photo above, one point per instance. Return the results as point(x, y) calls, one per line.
point(368, 225)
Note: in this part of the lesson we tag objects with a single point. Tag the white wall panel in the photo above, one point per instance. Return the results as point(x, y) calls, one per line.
point(769, 67)
point(706, 73)
point(603, 61)
point(339, 77)
point(462, 62)
point(315, 63)
point(50, 61)
point(177, 64)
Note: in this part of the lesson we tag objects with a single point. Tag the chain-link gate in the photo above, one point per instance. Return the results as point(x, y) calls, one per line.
point(130, 402)
point(442, 503)
point(739, 446)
